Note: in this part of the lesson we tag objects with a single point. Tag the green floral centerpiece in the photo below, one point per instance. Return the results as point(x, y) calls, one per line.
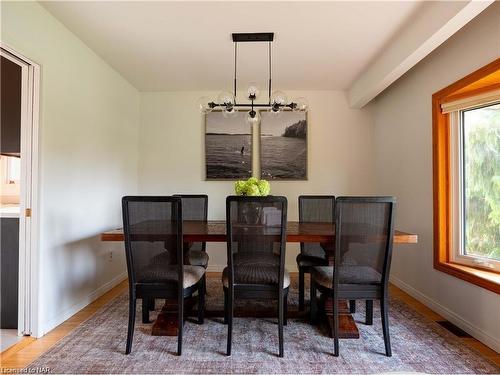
point(251, 213)
point(252, 187)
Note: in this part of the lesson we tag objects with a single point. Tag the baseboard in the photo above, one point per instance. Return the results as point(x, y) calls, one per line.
point(215, 267)
point(471, 329)
point(70, 311)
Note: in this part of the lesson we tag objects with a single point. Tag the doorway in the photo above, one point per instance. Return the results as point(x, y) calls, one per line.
point(18, 194)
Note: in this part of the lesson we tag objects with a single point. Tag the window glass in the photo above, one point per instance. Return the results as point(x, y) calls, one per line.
point(481, 181)
point(13, 170)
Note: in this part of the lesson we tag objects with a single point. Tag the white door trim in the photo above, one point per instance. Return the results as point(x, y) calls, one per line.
point(28, 220)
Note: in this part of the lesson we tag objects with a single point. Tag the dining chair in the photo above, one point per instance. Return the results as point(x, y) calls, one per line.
point(151, 225)
point(194, 208)
point(313, 208)
point(256, 243)
point(364, 231)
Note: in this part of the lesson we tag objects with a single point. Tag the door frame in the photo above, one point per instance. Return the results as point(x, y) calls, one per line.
point(28, 308)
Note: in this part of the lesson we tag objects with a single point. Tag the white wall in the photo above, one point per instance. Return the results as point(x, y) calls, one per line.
point(403, 136)
point(171, 154)
point(88, 160)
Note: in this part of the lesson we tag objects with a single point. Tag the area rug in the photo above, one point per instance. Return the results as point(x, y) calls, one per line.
point(418, 345)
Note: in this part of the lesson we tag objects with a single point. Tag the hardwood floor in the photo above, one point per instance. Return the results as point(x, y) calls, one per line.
point(28, 349)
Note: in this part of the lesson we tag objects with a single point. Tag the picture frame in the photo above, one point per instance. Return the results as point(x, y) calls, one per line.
point(228, 147)
point(283, 146)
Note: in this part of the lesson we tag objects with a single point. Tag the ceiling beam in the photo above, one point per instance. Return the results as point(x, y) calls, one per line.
point(433, 24)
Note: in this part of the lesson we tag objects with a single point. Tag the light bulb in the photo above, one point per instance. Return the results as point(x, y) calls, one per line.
point(301, 104)
point(279, 97)
point(226, 98)
point(253, 91)
point(253, 117)
point(275, 112)
point(230, 112)
point(203, 104)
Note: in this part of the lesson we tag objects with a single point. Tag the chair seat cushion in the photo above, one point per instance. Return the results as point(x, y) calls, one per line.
point(313, 251)
point(323, 275)
point(256, 259)
point(198, 258)
point(163, 273)
point(256, 274)
point(307, 261)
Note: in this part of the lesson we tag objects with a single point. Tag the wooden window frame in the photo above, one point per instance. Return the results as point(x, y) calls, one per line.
point(482, 80)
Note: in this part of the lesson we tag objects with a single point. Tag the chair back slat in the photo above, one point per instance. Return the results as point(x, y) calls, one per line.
point(315, 208)
point(195, 208)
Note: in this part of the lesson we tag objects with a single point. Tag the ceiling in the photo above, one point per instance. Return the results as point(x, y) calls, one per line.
point(187, 46)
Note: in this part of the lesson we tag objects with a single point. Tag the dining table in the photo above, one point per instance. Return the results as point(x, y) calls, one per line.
point(215, 231)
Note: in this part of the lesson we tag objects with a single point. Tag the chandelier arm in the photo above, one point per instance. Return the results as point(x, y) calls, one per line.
point(235, 62)
point(259, 105)
point(270, 73)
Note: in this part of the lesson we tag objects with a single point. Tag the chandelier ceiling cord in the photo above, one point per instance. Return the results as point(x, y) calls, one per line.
point(277, 100)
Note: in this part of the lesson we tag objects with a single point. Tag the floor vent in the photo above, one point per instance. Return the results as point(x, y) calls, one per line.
point(453, 328)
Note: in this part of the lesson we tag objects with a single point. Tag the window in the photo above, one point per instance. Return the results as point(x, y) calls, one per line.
point(13, 170)
point(476, 180)
point(466, 177)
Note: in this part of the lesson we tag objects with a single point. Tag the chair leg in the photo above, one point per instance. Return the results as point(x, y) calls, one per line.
point(336, 327)
point(180, 324)
point(314, 301)
point(131, 323)
point(151, 304)
point(145, 310)
point(285, 308)
point(225, 306)
point(281, 301)
point(205, 280)
point(301, 288)
point(229, 321)
point(385, 325)
point(201, 301)
point(369, 312)
point(352, 306)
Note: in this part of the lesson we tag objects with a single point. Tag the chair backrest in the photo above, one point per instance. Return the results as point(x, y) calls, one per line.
point(256, 234)
point(319, 209)
point(364, 231)
point(152, 225)
point(194, 208)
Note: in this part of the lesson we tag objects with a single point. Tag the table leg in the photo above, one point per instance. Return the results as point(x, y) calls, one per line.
point(167, 322)
point(347, 325)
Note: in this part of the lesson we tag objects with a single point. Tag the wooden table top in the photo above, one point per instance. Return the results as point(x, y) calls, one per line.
point(215, 231)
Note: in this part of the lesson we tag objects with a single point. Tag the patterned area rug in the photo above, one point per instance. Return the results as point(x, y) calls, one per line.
point(418, 345)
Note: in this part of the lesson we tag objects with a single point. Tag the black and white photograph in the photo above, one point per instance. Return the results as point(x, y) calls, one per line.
point(228, 146)
point(283, 146)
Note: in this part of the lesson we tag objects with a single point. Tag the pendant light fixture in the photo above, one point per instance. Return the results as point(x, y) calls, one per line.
point(277, 100)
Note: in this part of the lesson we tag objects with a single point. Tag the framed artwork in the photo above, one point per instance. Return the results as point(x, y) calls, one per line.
point(228, 146)
point(283, 146)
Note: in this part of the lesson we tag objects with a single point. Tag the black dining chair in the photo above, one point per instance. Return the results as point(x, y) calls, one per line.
point(364, 231)
point(151, 225)
point(313, 208)
point(256, 242)
point(195, 208)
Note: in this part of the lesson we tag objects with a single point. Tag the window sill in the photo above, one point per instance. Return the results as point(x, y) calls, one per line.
point(480, 277)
